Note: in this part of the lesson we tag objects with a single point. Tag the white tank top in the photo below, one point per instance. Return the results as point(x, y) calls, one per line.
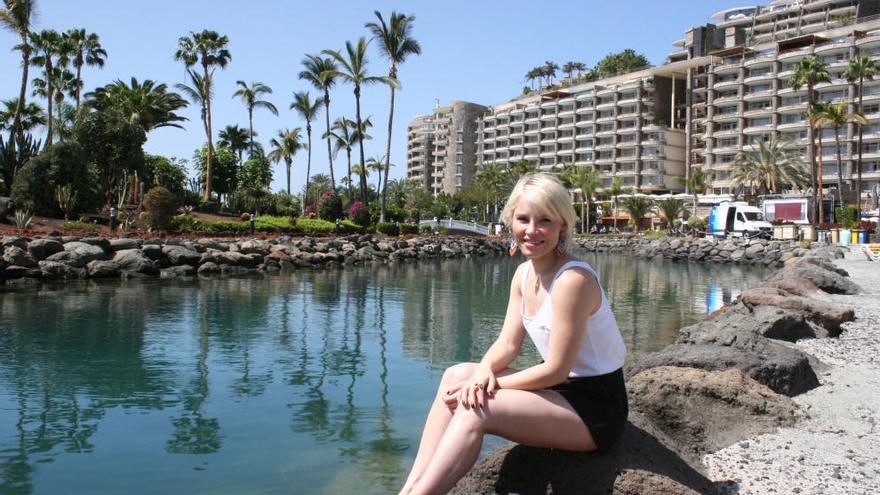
point(602, 350)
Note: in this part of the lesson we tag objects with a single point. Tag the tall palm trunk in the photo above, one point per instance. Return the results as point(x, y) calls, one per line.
point(811, 156)
point(348, 153)
point(357, 107)
point(839, 171)
point(288, 162)
point(210, 157)
point(78, 82)
point(329, 152)
point(17, 131)
point(308, 168)
point(821, 201)
point(387, 151)
point(859, 163)
point(251, 129)
point(50, 96)
point(585, 216)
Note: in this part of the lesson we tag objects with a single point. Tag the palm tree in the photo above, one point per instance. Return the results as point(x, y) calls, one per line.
point(235, 138)
point(208, 49)
point(396, 44)
point(85, 49)
point(834, 116)
point(580, 67)
point(18, 16)
point(148, 104)
point(284, 147)
point(375, 164)
point(303, 105)
point(199, 92)
point(320, 72)
point(769, 167)
point(698, 183)
point(550, 71)
point(250, 95)
point(568, 68)
point(47, 49)
point(860, 67)
point(614, 191)
point(344, 135)
point(586, 179)
point(670, 209)
point(31, 116)
point(491, 178)
point(353, 69)
point(810, 71)
point(637, 207)
point(61, 80)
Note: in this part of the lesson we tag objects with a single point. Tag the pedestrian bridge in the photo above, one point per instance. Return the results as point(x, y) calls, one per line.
point(457, 226)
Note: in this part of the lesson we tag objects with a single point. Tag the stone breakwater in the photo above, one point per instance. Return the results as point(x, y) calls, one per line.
point(26, 260)
point(710, 249)
point(738, 374)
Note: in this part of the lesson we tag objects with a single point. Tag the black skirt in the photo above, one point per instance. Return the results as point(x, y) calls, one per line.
point(601, 403)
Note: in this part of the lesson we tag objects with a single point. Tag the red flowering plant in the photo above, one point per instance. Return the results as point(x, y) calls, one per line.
point(359, 213)
point(866, 225)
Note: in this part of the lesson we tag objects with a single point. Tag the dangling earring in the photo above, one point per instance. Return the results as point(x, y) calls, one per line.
point(514, 246)
point(561, 247)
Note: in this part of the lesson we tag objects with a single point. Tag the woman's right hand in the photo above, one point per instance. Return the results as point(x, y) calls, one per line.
point(474, 391)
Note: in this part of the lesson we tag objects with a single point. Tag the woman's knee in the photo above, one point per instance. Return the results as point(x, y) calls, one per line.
point(458, 372)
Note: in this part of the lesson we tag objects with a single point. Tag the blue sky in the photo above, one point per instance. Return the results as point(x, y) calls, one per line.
point(471, 50)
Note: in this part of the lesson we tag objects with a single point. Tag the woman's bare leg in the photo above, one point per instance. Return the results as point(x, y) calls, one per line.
point(438, 419)
point(540, 418)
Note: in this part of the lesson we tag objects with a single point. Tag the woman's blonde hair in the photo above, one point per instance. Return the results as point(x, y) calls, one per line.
point(548, 194)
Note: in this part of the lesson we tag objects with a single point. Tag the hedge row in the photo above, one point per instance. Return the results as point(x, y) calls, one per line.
point(185, 224)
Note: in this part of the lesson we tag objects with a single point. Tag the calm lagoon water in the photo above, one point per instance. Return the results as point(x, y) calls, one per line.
point(308, 383)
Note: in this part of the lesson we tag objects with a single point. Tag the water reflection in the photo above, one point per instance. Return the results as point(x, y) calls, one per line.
point(315, 382)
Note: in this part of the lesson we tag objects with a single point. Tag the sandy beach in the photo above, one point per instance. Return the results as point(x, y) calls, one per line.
point(837, 449)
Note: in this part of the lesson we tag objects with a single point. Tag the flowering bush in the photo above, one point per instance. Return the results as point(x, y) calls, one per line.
point(866, 225)
point(359, 213)
point(781, 221)
point(330, 206)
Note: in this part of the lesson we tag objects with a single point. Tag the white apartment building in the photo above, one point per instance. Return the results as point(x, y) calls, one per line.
point(441, 147)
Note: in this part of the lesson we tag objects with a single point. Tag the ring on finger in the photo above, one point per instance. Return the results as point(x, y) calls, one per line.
point(479, 386)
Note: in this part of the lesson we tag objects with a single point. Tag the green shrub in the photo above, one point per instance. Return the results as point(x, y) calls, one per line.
point(225, 227)
point(388, 228)
point(330, 206)
point(349, 227)
point(266, 223)
point(84, 227)
point(442, 230)
point(315, 226)
point(61, 165)
point(409, 228)
point(160, 206)
point(425, 229)
point(697, 223)
point(185, 224)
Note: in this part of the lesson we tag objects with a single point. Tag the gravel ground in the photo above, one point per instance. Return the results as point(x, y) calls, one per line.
point(836, 450)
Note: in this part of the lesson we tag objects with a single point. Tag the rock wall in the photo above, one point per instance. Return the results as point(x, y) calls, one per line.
point(26, 260)
point(710, 249)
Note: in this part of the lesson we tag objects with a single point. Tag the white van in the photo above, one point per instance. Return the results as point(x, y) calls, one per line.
point(738, 219)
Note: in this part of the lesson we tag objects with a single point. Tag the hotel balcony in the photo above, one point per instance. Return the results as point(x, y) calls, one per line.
point(794, 55)
point(759, 95)
point(584, 149)
point(566, 113)
point(548, 117)
point(757, 112)
point(606, 106)
point(726, 84)
point(628, 100)
point(759, 129)
point(548, 140)
point(726, 68)
point(532, 132)
point(793, 108)
point(726, 150)
point(631, 144)
point(722, 117)
point(725, 99)
point(609, 132)
point(532, 119)
point(567, 125)
point(767, 76)
point(835, 83)
point(760, 61)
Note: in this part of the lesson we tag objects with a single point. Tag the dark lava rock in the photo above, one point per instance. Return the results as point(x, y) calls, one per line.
point(643, 447)
point(827, 280)
point(689, 405)
point(41, 249)
point(102, 269)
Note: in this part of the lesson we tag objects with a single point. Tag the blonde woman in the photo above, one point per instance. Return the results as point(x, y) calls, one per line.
point(575, 398)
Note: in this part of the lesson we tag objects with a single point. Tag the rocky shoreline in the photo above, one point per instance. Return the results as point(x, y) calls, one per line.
point(747, 372)
point(27, 261)
point(709, 249)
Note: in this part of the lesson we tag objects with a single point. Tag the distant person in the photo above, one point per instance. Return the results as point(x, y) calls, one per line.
point(575, 398)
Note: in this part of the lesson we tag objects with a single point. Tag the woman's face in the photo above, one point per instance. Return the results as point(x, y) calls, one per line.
point(535, 231)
